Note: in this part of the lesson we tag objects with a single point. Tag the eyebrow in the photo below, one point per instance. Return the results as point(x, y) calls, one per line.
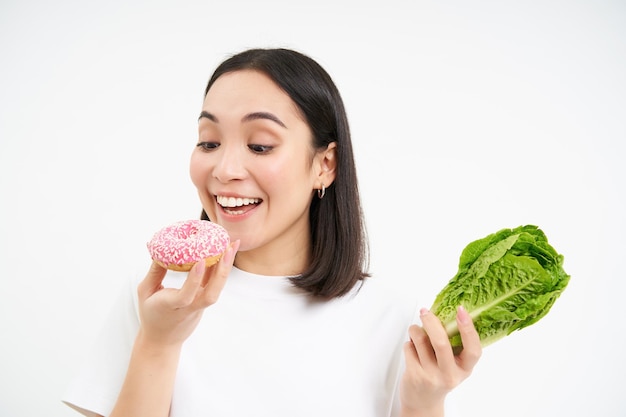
point(247, 118)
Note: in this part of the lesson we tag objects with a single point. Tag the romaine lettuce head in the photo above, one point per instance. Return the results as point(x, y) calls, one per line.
point(506, 281)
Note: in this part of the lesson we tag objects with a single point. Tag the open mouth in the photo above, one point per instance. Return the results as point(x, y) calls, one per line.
point(237, 205)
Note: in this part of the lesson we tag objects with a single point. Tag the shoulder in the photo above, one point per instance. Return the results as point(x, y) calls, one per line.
point(378, 290)
point(377, 298)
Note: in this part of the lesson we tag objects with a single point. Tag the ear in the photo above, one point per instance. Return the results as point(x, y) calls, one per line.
point(326, 164)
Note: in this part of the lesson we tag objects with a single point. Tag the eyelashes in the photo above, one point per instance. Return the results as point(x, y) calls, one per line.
point(260, 149)
point(207, 146)
point(254, 148)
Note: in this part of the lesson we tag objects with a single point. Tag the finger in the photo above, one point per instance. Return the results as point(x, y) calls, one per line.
point(439, 340)
point(152, 281)
point(423, 348)
point(411, 360)
point(472, 349)
point(218, 275)
point(188, 292)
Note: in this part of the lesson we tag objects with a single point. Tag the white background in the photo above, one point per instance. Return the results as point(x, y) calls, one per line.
point(467, 117)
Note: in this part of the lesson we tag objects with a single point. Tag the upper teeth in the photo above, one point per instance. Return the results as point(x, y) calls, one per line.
point(236, 202)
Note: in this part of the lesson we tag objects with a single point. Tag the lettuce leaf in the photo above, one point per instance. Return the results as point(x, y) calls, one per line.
point(507, 281)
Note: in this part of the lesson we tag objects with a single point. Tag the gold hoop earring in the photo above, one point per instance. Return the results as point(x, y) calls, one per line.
point(321, 192)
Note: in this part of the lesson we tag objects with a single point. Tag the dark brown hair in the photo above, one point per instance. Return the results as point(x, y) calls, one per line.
point(339, 244)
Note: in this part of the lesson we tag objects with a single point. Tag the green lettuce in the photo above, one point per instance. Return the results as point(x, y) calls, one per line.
point(507, 281)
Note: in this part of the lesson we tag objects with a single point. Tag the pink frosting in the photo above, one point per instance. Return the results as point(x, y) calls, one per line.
point(188, 241)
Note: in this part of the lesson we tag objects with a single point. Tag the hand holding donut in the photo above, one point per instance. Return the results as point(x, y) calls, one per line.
point(169, 315)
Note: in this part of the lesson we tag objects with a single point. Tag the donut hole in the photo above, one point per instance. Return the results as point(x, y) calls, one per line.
point(186, 231)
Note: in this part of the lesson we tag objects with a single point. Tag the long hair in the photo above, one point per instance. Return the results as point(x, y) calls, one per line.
point(340, 254)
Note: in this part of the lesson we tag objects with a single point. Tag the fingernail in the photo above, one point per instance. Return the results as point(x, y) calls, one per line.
point(424, 311)
point(463, 315)
point(199, 267)
point(229, 255)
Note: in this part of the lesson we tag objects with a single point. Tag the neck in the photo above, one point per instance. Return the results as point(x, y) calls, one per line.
point(280, 260)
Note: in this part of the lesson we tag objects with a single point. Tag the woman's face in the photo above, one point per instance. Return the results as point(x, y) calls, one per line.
point(256, 171)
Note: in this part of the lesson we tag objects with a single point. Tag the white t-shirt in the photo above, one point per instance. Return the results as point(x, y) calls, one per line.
point(266, 348)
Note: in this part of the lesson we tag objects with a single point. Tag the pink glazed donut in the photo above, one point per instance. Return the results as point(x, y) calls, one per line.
point(180, 245)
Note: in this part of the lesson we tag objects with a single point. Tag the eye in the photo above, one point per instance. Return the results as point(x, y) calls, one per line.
point(207, 146)
point(260, 149)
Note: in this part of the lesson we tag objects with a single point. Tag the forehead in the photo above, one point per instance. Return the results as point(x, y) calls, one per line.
point(237, 98)
point(247, 88)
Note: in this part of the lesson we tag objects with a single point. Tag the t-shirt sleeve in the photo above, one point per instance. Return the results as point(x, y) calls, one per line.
point(96, 386)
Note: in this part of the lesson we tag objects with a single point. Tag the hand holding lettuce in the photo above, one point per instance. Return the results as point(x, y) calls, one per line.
point(506, 281)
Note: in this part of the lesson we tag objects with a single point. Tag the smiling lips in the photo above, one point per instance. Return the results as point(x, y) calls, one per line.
point(237, 205)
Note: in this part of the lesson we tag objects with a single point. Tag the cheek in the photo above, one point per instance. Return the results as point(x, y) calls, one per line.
point(197, 170)
point(288, 174)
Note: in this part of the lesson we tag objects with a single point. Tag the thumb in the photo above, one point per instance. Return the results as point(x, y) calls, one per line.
point(152, 281)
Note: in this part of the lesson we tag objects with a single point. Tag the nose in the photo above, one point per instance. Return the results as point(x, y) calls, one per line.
point(230, 164)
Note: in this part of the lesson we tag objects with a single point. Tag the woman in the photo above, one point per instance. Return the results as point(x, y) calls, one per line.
point(288, 323)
